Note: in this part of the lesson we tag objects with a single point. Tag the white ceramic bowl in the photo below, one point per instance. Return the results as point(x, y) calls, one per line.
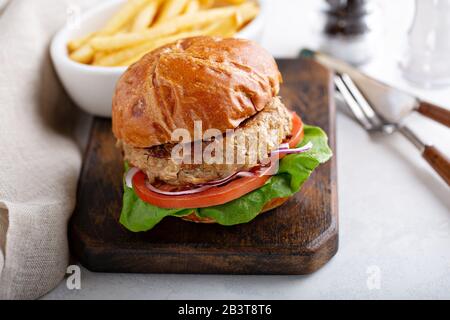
point(92, 87)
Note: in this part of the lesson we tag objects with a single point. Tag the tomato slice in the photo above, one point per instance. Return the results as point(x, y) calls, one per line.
point(297, 131)
point(215, 195)
point(211, 197)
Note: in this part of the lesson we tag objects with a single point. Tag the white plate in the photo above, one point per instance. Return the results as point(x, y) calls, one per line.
point(92, 87)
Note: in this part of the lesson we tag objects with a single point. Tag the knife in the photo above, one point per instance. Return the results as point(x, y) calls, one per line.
point(393, 104)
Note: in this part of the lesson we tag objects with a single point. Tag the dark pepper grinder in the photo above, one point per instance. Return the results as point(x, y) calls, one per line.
point(349, 30)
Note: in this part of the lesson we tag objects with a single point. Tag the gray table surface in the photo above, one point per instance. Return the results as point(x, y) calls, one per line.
point(394, 210)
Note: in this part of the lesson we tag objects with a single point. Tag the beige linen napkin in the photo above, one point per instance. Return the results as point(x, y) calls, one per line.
point(39, 158)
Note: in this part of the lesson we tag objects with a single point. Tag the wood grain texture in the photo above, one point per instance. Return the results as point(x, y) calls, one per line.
point(434, 112)
point(296, 238)
point(439, 161)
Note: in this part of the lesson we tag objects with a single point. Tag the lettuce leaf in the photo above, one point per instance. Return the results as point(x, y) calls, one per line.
point(293, 171)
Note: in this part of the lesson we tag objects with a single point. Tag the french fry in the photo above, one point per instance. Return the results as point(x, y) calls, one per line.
point(116, 58)
point(74, 45)
point(206, 3)
point(162, 42)
point(170, 9)
point(98, 56)
point(177, 24)
point(121, 18)
point(229, 26)
point(246, 15)
point(236, 1)
point(139, 28)
point(122, 41)
point(82, 50)
point(124, 29)
point(191, 7)
point(84, 54)
point(125, 56)
point(144, 19)
point(224, 28)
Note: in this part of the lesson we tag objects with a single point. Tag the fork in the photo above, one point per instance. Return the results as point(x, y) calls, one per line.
point(374, 122)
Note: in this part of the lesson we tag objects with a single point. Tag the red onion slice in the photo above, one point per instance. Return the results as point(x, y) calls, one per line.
point(284, 146)
point(132, 171)
point(129, 176)
point(229, 178)
point(305, 148)
point(177, 193)
point(203, 187)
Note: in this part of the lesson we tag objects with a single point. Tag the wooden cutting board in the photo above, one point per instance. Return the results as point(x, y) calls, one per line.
point(296, 238)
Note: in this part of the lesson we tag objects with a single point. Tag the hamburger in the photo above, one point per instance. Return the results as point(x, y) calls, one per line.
point(205, 136)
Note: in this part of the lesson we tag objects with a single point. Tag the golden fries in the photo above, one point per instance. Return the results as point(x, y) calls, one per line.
point(97, 56)
point(78, 43)
point(145, 18)
point(230, 25)
point(129, 55)
point(116, 58)
point(191, 7)
point(206, 3)
point(170, 9)
point(144, 25)
point(224, 28)
point(180, 23)
point(159, 43)
point(235, 1)
point(130, 9)
point(84, 54)
point(245, 15)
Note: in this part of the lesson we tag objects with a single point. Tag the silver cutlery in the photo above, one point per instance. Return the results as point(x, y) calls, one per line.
point(374, 122)
point(392, 103)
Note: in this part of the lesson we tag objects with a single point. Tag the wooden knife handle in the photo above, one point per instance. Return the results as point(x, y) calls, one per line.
point(439, 161)
point(434, 112)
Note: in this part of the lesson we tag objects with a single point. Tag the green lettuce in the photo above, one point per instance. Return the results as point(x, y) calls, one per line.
point(293, 171)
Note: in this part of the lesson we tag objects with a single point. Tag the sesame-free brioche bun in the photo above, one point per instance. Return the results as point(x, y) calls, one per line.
point(221, 82)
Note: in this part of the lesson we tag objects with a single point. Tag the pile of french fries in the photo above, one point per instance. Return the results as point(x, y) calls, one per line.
point(144, 25)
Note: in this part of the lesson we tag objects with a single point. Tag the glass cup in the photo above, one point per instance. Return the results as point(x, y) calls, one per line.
point(427, 60)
